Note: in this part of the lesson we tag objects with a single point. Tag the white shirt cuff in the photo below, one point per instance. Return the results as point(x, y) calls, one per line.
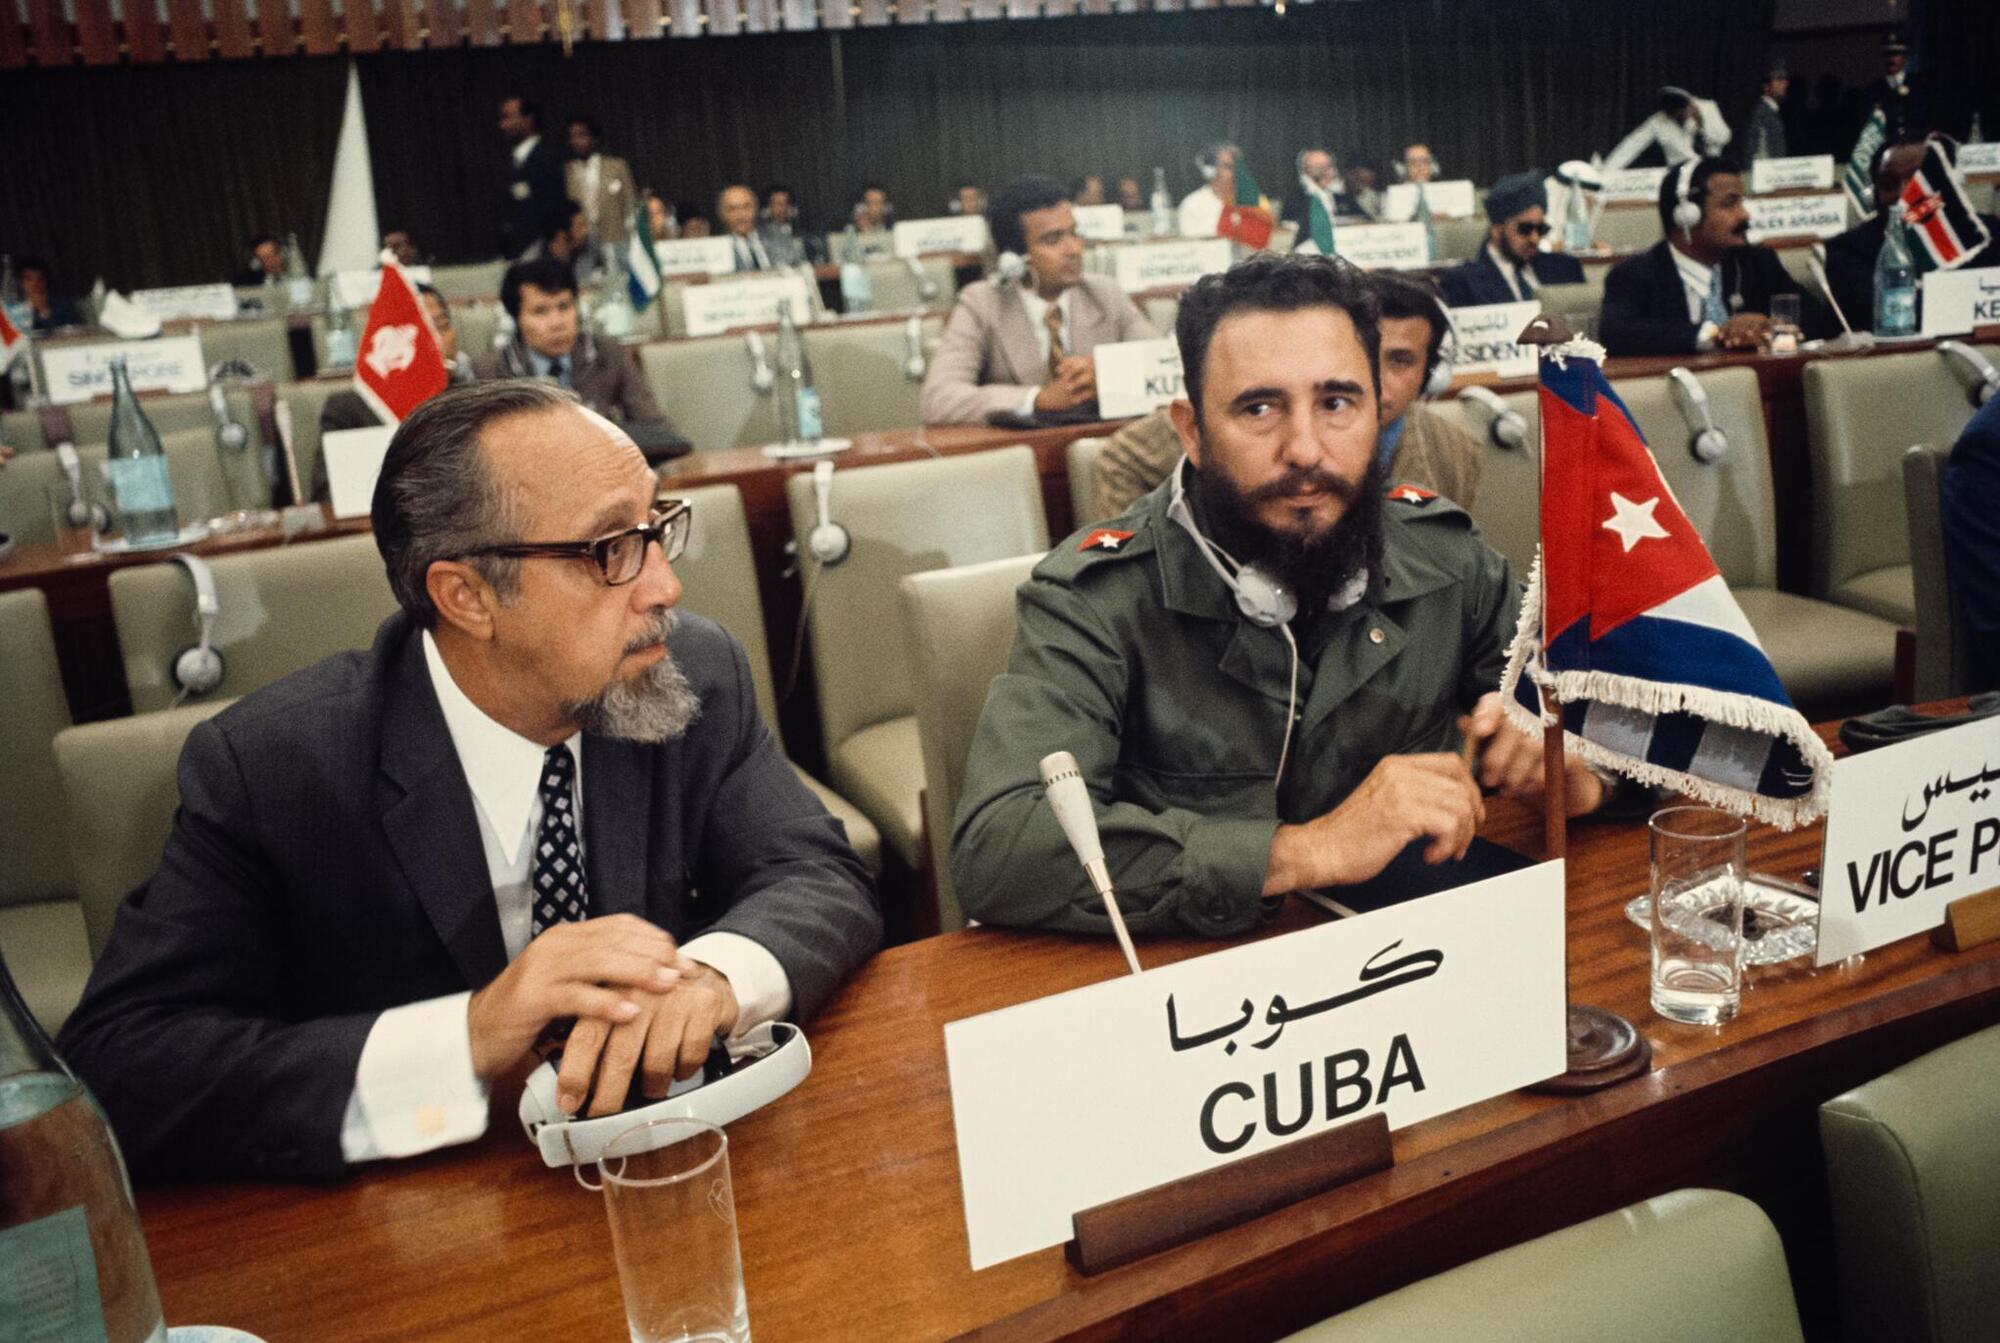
point(415, 1089)
point(1705, 338)
point(763, 993)
point(1026, 410)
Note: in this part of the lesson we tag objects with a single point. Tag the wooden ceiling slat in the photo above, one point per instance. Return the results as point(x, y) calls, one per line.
point(524, 23)
point(760, 16)
point(276, 35)
point(724, 18)
point(188, 29)
point(399, 27)
point(800, 16)
point(986, 9)
point(318, 27)
point(362, 25)
point(642, 18)
point(949, 11)
point(1097, 6)
point(13, 37)
point(1023, 9)
point(874, 13)
point(50, 33)
point(835, 14)
point(145, 40)
point(96, 34)
point(684, 18)
point(442, 19)
point(1059, 9)
point(482, 23)
point(913, 11)
point(606, 20)
point(233, 38)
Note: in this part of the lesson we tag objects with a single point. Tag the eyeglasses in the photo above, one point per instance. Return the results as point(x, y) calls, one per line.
point(620, 556)
point(1526, 230)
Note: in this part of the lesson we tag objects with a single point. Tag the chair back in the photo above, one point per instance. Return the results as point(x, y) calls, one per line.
point(893, 288)
point(34, 865)
point(1508, 507)
point(705, 388)
point(479, 279)
point(119, 779)
point(719, 580)
point(265, 344)
point(1083, 454)
point(860, 371)
point(903, 518)
point(1630, 228)
point(1943, 651)
point(961, 627)
point(200, 488)
point(282, 609)
point(1577, 304)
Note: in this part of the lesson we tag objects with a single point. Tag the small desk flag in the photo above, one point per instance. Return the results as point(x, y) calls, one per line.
point(400, 365)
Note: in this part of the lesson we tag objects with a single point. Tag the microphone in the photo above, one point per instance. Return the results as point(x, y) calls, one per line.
point(1070, 801)
point(1849, 338)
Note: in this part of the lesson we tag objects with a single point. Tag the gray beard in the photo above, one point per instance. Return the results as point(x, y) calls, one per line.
point(658, 706)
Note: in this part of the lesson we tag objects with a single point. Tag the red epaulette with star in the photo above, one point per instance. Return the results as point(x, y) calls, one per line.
point(1104, 538)
point(1412, 494)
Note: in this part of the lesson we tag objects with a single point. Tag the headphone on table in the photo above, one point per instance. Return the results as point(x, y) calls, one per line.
point(828, 542)
point(197, 670)
point(1708, 443)
point(1687, 210)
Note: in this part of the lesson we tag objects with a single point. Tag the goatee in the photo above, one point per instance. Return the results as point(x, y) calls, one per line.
point(657, 706)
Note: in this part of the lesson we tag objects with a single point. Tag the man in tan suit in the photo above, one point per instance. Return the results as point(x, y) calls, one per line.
point(1415, 446)
point(601, 184)
point(1018, 346)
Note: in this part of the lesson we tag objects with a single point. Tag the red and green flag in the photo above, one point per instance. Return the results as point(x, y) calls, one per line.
point(1248, 219)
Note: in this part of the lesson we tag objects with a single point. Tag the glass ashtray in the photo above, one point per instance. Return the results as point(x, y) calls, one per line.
point(1780, 919)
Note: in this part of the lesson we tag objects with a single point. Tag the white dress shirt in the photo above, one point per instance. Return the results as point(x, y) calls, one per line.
point(1676, 141)
point(1038, 307)
point(525, 148)
point(593, 171)
point(748, 249)
point(1200, 213)
point(1519, 278)
point(414, 1089)
point(1696, 281)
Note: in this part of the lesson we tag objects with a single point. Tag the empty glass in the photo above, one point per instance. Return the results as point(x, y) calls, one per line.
point(1784, 323)
point(673, 1227)
point(1697, 919)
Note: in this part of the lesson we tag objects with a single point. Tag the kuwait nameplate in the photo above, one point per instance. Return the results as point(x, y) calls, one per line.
point(1137, 376)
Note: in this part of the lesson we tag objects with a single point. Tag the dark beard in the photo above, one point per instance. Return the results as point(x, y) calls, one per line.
point(1314, 567)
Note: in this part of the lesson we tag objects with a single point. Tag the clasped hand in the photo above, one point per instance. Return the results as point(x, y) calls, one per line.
point(640, 1007)
point(1074, 382)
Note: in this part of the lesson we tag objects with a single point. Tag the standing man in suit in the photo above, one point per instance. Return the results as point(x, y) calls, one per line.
point(1512, 266)
point(1767, 118)
point(601, 184)
point(1903, 113)
point(1319, 179)
point(1017, 348)
point(539, 799)
point(535, 190)
point(1850, 257)
point(549, 343)
point(1704, 286)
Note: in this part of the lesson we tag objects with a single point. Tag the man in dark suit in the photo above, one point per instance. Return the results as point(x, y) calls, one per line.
point(1903, 111)
point(1767, 118)
point(535, 189)
point(1512, 265)
point(372, 903)
point(549, 342)
point(1704, 286)
point(1850, 257)
point(1972, 540)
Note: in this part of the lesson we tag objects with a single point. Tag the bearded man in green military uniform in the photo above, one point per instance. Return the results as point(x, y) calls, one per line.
point(1263, 668)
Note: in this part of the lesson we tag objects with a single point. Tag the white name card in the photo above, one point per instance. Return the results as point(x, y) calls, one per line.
point(1383, 246)
point(1955, 301)
point(1819, 216)
point(695, 256)
point(353, 461)
point(1812, 172)
point(76, 373)
point(1069, 1101)
point(1137, 376)
point(949, 233)
point(358, 288)
point(1100, 223)
point(1169, 265)
point(196, 302)
point(1911, 828)
point(753, 301)
point(1979, 158)
point(1483, 339)
point(1632, 184)
point(1456, 199)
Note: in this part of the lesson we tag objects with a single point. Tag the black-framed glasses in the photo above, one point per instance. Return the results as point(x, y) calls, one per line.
point(620, 556)
point(1528, 230)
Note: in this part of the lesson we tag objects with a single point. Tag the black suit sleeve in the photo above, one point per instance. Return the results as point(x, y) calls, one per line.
point(183, 1034)
point(1631, 321)
point(1458, 285)
point(794, 885)
point(1850, 273)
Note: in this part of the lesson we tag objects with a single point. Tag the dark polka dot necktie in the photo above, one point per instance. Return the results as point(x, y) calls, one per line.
point(557, 872)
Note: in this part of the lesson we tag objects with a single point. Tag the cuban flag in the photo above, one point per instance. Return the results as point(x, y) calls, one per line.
point(1939, 218)
point(1629, 624)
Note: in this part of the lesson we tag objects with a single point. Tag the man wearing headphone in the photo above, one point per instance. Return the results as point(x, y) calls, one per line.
point(1264, 669)
point(1018, 346)
point(1704, 286)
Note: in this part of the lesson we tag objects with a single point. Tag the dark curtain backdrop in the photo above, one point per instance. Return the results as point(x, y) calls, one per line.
point(156, 175)
point(1959, 42)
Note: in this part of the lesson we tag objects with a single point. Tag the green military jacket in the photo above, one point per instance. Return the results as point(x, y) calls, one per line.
point(1131, 655)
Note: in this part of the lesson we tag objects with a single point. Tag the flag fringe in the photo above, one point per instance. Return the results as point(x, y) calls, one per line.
point(1656, 697)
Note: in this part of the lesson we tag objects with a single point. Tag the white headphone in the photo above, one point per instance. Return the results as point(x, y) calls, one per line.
point(1010, 268)
point(1504, 425)
point(1687, 211)
point(1438, 381)
point(1981, 379)
point(828, 541)
point(1708, 443)
point(198, 670)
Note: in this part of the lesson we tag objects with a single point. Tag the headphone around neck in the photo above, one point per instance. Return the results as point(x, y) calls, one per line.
point(1262, 599)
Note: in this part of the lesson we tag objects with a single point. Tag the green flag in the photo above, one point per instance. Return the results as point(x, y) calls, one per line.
point(1319, 225)
point(1855, 177)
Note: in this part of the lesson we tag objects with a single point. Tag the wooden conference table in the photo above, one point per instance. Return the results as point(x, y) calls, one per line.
point(847, 1190)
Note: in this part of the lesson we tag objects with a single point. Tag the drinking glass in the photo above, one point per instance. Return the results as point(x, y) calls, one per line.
point(1697, 920)
point(673, 1228)
point(1784, 323)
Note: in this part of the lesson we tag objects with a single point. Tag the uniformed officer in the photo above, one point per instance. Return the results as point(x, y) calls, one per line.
point(1263, 667)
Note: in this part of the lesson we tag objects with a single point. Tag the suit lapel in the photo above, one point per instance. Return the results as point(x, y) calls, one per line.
point(428, 816)
point(617, 823)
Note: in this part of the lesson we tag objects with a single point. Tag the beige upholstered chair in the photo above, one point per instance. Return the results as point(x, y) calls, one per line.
point(961, 626)
point(281, 610)
point(478, 279)
point(705, 388)
point(1083, 453)
point(1630, 228)
point(118, 777)
point(1826, 655)
point(1913, 1170)
point(474, 325)
point(1162, 312)
point(719, 576)
point(1696, 1263)
point(892, 287)
point(264, 344)
point(1860, 416)
point(41, 924)
point(200, 489)
point(307, 400)
point(1459, 239)
point(861, 375)
point(902, 518)
point(1509, 507)
point(1577, 304)
point(1943, 654)
point(90, 421)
